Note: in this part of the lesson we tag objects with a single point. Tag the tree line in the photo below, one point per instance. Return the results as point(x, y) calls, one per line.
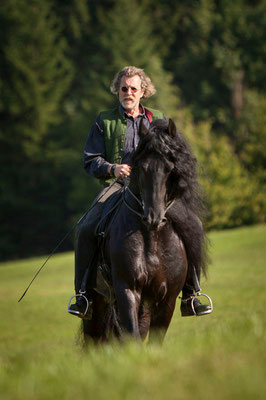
point(206, 59)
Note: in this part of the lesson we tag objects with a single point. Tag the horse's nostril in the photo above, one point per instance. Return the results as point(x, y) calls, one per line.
point(148, 222)
point(153, 224)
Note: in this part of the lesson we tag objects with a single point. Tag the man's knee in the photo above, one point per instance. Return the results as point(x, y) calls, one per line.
point(86, 229)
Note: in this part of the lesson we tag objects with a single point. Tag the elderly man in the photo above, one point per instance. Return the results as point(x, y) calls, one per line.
point(112, 140)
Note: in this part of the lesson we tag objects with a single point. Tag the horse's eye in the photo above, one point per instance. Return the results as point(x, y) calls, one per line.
point(143, 167)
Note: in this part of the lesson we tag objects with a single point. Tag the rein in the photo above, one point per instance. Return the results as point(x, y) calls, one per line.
point(136, 198)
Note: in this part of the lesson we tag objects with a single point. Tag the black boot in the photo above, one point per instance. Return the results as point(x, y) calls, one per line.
point(192, 306)
point(82, 308)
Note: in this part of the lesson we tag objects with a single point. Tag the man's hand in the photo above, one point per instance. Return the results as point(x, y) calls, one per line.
point(121, 170)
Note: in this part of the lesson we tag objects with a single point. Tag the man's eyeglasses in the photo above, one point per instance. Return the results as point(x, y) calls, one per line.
point(132, 88)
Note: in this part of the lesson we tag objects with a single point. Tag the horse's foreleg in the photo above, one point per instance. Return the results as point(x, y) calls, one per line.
point(128, 304)
point(160, 319)
point(144, 320)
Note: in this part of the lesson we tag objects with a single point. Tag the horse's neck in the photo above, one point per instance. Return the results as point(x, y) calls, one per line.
point(134, 185)
point(132, 195)
point(134, 189)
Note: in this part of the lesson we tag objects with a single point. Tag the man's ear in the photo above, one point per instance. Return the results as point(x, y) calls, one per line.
point(171, 128)
point(142, 128)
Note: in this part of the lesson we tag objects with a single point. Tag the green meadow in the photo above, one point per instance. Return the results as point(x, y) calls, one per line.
point(219, 356)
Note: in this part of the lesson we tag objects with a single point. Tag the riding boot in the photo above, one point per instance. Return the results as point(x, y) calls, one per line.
point(85, 262)
point(86, 250)
point(190, 304)
point(85, 277)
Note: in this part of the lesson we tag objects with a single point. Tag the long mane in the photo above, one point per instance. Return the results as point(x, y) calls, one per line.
point(183, 182)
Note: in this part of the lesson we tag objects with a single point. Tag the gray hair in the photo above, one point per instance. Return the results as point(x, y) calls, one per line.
point(146, 83)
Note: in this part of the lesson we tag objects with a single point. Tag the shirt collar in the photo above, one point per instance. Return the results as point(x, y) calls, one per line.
point(141, 114)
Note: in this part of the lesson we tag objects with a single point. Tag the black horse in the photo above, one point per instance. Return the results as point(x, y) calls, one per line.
point(146, 258)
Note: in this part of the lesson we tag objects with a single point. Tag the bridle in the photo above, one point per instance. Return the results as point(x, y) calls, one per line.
point(140, 202)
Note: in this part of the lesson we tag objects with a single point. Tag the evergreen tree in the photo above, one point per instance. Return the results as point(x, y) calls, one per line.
point(34, 71)
point(218, 47)
point(34, 77)
point(123, 36)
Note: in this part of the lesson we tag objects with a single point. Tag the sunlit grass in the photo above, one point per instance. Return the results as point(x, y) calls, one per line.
point(219, 356)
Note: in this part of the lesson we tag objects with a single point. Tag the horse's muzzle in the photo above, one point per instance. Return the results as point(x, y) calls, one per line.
point(154, 223)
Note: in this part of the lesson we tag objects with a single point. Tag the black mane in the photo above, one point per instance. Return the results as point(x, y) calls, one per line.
point(184, 179)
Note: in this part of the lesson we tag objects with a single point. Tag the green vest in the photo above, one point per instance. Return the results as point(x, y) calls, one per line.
point(115, 126)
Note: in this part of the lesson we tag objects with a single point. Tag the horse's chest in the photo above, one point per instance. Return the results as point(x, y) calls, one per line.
point(151, 253)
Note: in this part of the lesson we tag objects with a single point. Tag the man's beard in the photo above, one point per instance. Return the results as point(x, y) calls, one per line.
point(129, 106)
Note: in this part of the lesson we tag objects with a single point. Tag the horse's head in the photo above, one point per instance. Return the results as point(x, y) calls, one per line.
point(153, 165)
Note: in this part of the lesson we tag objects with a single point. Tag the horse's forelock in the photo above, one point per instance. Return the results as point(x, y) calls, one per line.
point(156, 141)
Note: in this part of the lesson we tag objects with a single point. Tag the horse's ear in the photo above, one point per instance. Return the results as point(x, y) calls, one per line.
point(171, 128)
point(142, 128)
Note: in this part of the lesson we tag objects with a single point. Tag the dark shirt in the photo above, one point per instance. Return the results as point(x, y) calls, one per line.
point(95, 162)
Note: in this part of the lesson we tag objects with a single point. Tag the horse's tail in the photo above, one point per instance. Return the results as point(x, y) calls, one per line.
point(91, 332)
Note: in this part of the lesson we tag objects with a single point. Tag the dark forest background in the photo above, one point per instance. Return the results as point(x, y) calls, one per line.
point(207, 61)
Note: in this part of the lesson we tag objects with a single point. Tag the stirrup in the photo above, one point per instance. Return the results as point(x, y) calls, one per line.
point(80, 294)
point(198, 294)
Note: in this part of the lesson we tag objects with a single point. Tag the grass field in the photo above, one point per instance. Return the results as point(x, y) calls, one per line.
point(219, 356)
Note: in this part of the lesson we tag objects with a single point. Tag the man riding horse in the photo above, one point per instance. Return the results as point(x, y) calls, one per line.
point(112, 140)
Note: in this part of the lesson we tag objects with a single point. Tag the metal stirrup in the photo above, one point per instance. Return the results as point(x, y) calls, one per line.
point(197, 295)
point(80, 294)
